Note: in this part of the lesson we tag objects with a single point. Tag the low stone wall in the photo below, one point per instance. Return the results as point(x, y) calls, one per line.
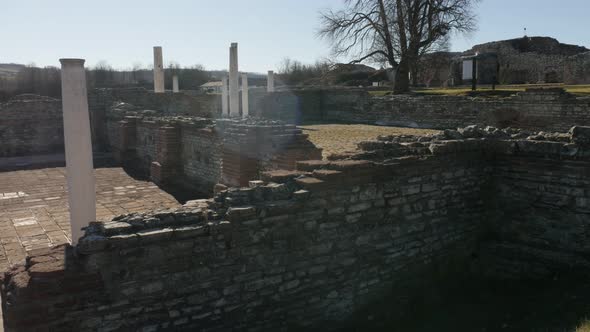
point(304, 254)
point(168, 102)
point(29, 125)
point(201, 145)
point(165, 104)
point(539, 110)
point(35, 122)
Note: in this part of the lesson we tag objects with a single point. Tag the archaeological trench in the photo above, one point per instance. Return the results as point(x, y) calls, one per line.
point(273, 237)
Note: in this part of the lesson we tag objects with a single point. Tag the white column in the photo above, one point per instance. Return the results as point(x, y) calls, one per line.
point(234, 93)
point(224, 95)
point(175, 84)
point(245, 106)
point(79, 167)
point(270, 81)
point(158, 70)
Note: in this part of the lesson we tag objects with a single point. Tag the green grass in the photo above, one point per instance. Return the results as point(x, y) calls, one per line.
point(486, 91)
point(380, 93)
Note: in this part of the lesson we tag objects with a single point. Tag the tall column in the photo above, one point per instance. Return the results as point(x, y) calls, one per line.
point(270, 81)
point(245, 106)
point(78, 146)
point(175, 84)
point(158, 70)
point(224, 96)
point(234, 93)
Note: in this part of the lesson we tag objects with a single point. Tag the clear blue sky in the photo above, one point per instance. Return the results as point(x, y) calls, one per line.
point(192, 32)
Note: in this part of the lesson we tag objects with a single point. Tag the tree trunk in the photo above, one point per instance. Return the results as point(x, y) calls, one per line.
point(402, 81)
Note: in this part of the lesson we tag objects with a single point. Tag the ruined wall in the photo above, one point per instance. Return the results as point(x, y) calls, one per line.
point(308, 249)
point(201, 157)
point(577, 69)
point(537, 199)
point(145, 149)
point(168, 102)
point(31, 124)
point(201, 145)
point(305, 254)
point(100, 102)
point(541, 213)
point(536, 109)
point(530, 59)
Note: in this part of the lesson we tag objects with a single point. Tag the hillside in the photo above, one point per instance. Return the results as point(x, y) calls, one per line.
point(540, 45)
point(9, 69)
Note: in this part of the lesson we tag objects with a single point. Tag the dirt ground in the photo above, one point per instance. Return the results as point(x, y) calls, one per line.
point(339, 138)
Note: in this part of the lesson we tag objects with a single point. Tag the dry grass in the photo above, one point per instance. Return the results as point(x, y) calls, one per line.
point(339, 138)
point(584, 327)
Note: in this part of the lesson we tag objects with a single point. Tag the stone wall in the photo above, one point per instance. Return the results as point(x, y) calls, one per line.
point(165, 104)
point(535, 109)
point(248, 147)
point(35, 122)
point(537, 200)
point(308, 249)
point(541, 217)
point(529, 59)
point(31, 124)
point(304, 254)
point(201, 157)
point(577, 69)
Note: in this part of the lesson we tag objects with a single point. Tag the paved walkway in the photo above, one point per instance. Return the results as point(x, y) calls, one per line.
point(34, 206)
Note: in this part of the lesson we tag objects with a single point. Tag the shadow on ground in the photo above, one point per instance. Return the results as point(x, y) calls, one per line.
point(560, 305)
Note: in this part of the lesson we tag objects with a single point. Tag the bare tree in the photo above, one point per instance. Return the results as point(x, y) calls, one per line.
point(294, 72)
point(396, 32)
point(103, 74)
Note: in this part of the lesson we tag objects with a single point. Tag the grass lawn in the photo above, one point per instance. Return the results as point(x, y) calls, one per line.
point(486, 90)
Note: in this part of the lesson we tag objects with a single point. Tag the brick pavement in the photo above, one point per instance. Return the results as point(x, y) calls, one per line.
point(34, 206)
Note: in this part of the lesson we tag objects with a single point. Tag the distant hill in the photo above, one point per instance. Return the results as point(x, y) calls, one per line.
point(540, 45)
point(10, 69)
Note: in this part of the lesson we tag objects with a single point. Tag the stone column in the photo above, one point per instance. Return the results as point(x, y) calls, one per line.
point(245, 106)
point(224, 96)
point(78, 146)
point(234, 93)
point(158, 70)
point(175, 84)
point(270, 81)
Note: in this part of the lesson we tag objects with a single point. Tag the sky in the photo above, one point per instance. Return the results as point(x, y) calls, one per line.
point(123, 32)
